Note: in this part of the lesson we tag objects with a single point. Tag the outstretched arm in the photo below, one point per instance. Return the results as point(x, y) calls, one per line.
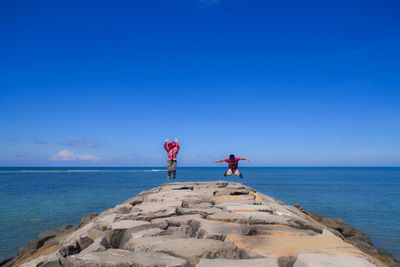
point(165, 144)
point(217, 161)
point(177, 144)
point(245, 159)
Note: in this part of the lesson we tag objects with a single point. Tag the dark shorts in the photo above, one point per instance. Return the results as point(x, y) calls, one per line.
point(171, 165)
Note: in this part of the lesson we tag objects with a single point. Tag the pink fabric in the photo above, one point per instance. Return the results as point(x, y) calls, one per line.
point(172, 152)
point(233, 165)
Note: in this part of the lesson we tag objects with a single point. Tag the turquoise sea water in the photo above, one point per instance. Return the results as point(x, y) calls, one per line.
point(33, 200)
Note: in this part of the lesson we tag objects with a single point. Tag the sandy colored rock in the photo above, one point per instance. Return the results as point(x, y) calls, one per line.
point(245, 207)
point(48, 260)
point(191, 249)
point(201, 211)
point(242, 199)
point(117, 257)
point(281, 244)
point(323, 260)
point(261, 262)
point(214, 229)
point(106, 220)
point(225, 216)
point(178, 219)
point(119, 228)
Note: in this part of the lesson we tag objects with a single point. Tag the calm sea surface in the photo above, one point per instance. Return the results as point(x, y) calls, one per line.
point(33, 200)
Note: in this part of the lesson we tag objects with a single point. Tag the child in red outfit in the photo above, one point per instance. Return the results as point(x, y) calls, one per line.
point(233, 165)
point(172, 150)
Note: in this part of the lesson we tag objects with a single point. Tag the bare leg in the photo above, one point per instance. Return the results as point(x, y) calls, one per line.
point(169, 175)
point(174, 172)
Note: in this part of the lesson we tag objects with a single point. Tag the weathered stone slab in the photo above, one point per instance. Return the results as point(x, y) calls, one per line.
point(140, 231)
point(225, 216)
point(151, 207)
point(264, 199)
point(260, 262)
point(214, 229)
point(265, 218)
point(245, 207)
point(119, 228)
point(233, 192)
point(323, 260)
point(183, 231)
point(117, 257)
point(134, 200)
point(242, 199)
point(189, 248)
point(280, 244)
point(106, 220)
point(177, 220)
point(148, 216)
point(48, 260)
point(99, 240)
point(265, 229)
point(79, 240)
point(123, 208)
point(137, 242)
point(201, 211)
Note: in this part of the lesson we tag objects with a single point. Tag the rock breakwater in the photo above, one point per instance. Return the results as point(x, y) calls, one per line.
point(203, 224)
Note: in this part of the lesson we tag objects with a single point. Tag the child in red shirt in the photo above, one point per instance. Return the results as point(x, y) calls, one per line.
point(233, 165)
point(172, 150)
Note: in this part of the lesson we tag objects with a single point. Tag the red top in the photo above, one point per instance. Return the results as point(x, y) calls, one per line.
point(233, 165)
point(172, 152)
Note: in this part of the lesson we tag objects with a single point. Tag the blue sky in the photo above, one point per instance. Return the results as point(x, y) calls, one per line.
point(284, 83)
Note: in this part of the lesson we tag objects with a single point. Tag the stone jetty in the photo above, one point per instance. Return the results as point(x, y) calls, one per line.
point(203, 224)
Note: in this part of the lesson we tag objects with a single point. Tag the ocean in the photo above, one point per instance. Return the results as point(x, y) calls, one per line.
point(33, 200)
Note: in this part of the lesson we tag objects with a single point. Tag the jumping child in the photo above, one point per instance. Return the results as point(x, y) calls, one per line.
point(172, 150)
point(233, 165)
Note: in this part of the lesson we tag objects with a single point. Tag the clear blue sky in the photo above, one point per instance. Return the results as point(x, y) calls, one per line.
point(284, 83)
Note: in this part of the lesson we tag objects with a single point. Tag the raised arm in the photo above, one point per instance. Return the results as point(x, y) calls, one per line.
point(217, 161)
point(165, 145)
point(178, 146)
point(245, 159)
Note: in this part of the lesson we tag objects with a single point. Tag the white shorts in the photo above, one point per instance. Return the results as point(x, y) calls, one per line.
point(229, 172)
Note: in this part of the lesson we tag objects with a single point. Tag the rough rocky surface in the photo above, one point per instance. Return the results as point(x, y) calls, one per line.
point(203, 224)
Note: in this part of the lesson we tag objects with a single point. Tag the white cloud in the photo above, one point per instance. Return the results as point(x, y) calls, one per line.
point(66, 155)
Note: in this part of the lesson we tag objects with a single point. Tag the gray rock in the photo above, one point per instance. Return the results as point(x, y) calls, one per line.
point(189, 248)
point(214, 229)
point(134, 200)
point(118, 229)
point(202, 211)
point(123, 209)
point(177, 220)
point(106, 220)
point(264, 218)
point(48, 260)
point(261, 262)
point(164, 225)
point(225, 216)
point(323, 260)
point(80, 239)
point(117, 257)
point(140, 231)
point(132, 243)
